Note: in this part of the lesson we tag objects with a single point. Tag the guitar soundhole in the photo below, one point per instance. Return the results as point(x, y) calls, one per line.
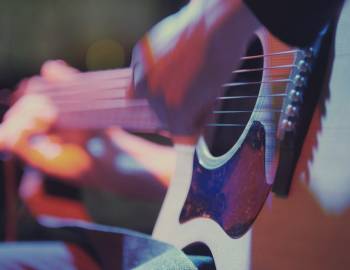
point(232, 115)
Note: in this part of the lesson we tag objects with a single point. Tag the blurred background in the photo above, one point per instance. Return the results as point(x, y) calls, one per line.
point(89, 35)
point(99, 34)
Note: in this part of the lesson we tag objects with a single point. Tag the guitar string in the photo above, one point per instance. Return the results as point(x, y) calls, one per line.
point(127, 78)
point(125, 73)
point(235, 84)
point(245, 111)
point(121, 92)
point(116, 103)
point(128, 70)
point(117, 93)
point(136, 103)
point(251, 96)
point(278, 67)
point(234, 125)
point(107, 99)
point(124, 82)
point(267, 110)
point(264, 68)
point(280, 53)
point(209, 125)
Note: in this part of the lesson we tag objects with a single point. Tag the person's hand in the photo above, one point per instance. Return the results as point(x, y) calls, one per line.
point(110, 159)
point(27, 127)
point(182, 62)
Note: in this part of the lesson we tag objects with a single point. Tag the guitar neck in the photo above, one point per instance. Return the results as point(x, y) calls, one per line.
point(136, 118)
point(98, 100)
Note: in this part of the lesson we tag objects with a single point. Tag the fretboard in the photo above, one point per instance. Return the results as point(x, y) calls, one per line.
point(135, 118)
point(97, 100)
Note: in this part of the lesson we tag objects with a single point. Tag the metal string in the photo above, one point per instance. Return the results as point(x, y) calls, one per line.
point(258, 96)
point(264, 68)
point(246, 111)
point(281, 53)
point(116, 99)
point(236, 84)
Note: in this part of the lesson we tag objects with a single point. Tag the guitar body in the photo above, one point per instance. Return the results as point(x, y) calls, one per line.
point(214, 199)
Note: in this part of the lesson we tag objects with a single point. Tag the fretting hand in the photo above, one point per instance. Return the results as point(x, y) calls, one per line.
point(26, 129)
point(112, 159)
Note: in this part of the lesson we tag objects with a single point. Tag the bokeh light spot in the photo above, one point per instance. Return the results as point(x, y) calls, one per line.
point(105, 54)
point(96, 147)
point(126, 164)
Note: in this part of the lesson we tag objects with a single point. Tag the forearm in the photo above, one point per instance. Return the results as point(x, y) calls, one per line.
point(187, 57)
point(129, 165)
point(158, 160)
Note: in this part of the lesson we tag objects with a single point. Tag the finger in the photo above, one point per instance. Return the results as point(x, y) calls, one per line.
point(57, 71)
point(31, 107)
point(32, 114)
point(48, 153)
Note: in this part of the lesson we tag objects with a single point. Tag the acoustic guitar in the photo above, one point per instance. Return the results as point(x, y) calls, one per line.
point(259, 123)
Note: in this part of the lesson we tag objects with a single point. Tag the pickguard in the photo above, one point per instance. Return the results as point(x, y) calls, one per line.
point(232, 194)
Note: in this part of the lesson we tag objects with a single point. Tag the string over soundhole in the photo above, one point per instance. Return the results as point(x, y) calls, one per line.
point(236, 104)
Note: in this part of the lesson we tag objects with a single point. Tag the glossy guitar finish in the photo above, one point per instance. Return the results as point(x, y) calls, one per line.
point(215, 220)
point(201, 203)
